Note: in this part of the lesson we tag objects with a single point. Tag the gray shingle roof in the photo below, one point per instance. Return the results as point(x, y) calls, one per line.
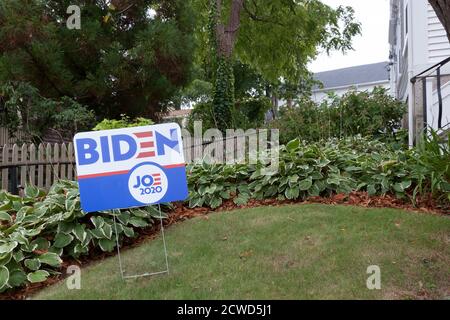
point(354, 75)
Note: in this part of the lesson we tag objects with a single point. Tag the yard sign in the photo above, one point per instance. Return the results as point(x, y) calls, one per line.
point(130, 167)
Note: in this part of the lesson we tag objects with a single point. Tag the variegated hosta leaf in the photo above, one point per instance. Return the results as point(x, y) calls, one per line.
point(5, 258)
point(17, 277)
point(97, 222)
point(51, 259)
point(107, 245)
point(4, 276)
point(7, 247)
point(38, 276)
point(32, 264)
point(4, 216)
point(138, 222)
point(62, 240)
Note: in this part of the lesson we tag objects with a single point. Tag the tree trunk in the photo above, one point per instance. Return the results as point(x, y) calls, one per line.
point(224, 40)
point(227, 35)
point(442, 9)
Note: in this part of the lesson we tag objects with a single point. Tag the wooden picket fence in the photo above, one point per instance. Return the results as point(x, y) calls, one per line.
point(8, 139)
point(37, 165)
point(41, 165)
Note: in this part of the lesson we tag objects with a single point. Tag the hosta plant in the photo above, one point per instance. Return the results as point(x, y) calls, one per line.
point(39, 230)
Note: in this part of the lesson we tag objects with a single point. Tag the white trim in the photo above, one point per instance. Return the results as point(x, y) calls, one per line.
point(352, 85)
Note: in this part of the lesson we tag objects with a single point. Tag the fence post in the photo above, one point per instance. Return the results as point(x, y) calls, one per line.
point(13, 171)
point(71, 158)
point(32, 169)
point(41, 158)
point(23, 162)
point(5, 160)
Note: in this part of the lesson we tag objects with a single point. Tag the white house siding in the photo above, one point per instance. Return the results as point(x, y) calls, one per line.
point(438, 44)
point(423, 46)
point(433, 103)
point(319, 95)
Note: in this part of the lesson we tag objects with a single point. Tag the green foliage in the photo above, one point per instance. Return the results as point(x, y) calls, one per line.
point(130, 62)
point(124, 122)
point(202, 112)
point(26, 108)
point(39, 230)
point(223, 97)
point(247, 113)
point(253, 35)
point(367, 113)
point(323, 169)
point(250, 112)
point(279, 38)
point(432, 165)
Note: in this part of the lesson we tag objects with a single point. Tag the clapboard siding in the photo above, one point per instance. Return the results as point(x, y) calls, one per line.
point(438, 44)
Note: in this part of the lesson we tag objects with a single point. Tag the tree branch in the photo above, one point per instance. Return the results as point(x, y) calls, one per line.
point(42, 69)
point(255, 17)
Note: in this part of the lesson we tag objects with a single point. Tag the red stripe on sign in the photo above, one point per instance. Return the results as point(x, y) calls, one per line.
point(105, 174)
point(175, 166)
point(147, 134)
point(113, 173)
point(149, 144)
point(146, 154)
point(156, 174)
point(157, 184)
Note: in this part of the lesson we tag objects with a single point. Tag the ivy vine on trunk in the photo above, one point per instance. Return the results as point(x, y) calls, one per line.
point(223, 39)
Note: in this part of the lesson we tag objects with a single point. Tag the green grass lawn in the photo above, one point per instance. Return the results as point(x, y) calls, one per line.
point(291, 252)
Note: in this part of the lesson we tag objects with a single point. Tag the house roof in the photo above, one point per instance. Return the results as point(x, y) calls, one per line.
point(368, 73)
point(178, 113)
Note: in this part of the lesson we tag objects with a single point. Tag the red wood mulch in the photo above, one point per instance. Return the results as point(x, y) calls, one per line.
point(181, 213)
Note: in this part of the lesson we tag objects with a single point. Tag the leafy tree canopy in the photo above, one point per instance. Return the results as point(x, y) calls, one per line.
point(279, 37)
point(129, 56)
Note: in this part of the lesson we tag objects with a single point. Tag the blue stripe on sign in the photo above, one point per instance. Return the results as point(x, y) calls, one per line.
point(111, 192)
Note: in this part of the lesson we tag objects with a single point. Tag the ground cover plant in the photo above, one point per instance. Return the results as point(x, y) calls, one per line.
point(287, 252)
point(333, 167)
point(39, 230)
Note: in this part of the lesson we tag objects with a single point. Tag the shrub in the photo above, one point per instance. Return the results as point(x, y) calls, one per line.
point(24, 107)
point(323, 169)
point(247, 113)
point(373, 114)
point(124, 122)
point(37, 231)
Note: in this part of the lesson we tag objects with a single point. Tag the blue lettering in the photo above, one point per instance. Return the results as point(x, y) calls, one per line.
point(86, 151)
point(132, 147)
point(106, 157)
point(162, 141)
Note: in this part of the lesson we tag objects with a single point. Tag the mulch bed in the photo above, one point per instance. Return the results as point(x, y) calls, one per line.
point(182, 213)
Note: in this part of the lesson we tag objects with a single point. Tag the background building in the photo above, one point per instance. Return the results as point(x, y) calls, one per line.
point(419, 69)
point(361, 78)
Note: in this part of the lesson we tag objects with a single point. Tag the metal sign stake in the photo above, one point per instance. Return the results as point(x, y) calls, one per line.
point(122, 274)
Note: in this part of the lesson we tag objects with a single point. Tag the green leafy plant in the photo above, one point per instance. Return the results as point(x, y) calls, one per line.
point(124, 122)
point(324, 169)
point(374, 114)
point(25, 108)
point(39, 230)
